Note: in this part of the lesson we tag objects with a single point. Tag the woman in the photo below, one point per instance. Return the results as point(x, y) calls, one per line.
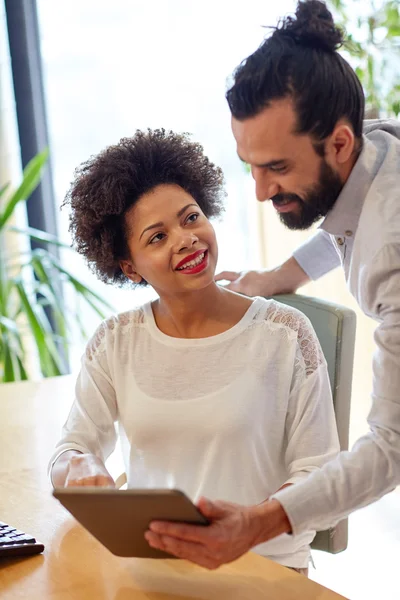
point(214, 393)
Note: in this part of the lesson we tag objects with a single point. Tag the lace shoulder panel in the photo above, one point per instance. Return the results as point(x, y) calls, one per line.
point(123, 322)
point(307, 340)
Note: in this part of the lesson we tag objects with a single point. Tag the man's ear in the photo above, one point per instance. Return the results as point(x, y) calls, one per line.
point(341, 144)
point(128, 269)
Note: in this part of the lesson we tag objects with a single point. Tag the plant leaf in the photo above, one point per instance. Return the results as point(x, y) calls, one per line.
point(9, 324)
point(4, 188)
point(50, 361)
point(30, 181)
point(14, 369)
point(40, 236)
point(9, 372)
point(80, 287)
point(48, 289)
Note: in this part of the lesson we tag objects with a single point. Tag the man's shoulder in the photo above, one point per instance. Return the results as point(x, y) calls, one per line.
point(386, 126)
point(380, 217)
point(379, 222)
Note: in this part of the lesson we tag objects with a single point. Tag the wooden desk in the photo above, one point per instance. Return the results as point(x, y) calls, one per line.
point(74, 565)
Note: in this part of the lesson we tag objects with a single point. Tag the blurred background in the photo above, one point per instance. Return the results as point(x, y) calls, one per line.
point(77, 76)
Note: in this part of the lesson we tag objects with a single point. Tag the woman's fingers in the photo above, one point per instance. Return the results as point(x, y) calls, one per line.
point(87, 470)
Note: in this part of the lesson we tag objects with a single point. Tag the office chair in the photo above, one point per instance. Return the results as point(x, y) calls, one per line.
point(335, 327)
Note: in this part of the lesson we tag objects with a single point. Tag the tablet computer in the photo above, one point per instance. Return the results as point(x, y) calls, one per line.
point(120, 518)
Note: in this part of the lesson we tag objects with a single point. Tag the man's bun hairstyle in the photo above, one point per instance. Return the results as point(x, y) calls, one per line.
point(299, 61)
point(313, 26)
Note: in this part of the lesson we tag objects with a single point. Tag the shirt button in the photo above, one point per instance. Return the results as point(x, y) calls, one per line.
point(340, 241)
point(348, 233)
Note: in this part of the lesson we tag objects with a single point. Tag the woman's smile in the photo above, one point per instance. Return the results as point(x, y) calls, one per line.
point(195, 263)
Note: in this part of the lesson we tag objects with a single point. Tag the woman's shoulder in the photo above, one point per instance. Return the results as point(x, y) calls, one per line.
point(111, 327)
point(283, 316)
point(126, 320)
point(298, 328)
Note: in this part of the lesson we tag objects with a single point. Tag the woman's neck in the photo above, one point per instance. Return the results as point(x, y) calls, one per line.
point(201, 313)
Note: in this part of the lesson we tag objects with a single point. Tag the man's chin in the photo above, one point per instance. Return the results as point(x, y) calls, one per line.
point(297, 222)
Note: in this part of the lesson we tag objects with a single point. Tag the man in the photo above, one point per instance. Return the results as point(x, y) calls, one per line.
point(297, 117)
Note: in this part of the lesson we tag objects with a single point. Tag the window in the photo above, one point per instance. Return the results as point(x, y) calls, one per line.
point(113, 67)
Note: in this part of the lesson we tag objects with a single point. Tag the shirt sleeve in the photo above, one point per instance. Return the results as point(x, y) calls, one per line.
point(90, 426)
point(318, 255)
point(311, 432)
point(372, 468)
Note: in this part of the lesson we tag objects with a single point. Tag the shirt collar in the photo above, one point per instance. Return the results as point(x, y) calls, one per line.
point(345, 214)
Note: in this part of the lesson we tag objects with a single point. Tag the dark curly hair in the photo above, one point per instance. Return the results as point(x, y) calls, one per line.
point(107, 185)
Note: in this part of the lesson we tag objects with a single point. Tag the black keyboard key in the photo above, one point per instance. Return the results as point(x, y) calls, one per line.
point(17, 532)
point(7, 530)
point(14, 542)
point(5, 540)
point(24, 539)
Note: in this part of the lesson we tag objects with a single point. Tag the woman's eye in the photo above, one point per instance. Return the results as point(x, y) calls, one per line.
point(192, 218)
point(157, 238)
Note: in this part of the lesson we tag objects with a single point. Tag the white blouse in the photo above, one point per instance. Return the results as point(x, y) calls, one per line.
point(231, 417)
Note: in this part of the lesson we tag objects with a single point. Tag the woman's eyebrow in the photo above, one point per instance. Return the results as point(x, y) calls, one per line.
point(161, 224)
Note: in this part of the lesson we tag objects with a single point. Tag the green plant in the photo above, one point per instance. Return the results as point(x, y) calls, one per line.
point(31, 285)
point(373, 32)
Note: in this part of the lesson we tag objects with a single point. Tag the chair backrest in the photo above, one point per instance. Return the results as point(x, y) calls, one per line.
point(335, 327)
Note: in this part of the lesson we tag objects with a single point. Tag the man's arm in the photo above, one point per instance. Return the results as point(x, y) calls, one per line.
point(317, 256)
point(313, 259)
point(372, 468)
point(286, 278)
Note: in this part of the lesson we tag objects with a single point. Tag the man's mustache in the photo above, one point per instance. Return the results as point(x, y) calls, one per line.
point(280, 199)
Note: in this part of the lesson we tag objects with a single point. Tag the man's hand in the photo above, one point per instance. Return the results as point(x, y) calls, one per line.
point(233, 531)
point(285, 279)
point(249, 283)
point(87, 470)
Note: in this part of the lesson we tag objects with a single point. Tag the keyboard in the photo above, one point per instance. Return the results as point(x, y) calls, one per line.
point(14, 542)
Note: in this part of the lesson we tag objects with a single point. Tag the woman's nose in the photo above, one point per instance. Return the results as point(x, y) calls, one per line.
point(185, 241)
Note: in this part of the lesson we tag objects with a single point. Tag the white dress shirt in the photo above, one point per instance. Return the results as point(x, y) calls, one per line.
point(362, 233)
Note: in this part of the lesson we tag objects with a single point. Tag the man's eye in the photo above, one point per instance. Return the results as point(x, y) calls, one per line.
point(157, 238)
point(278, 169)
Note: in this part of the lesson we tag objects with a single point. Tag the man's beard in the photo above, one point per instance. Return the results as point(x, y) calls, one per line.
point(317, 202)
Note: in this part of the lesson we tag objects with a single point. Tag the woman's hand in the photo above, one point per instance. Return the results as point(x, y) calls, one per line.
point(87, 470)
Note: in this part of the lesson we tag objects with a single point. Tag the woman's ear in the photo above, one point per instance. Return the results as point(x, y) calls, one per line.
point(129, 271)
